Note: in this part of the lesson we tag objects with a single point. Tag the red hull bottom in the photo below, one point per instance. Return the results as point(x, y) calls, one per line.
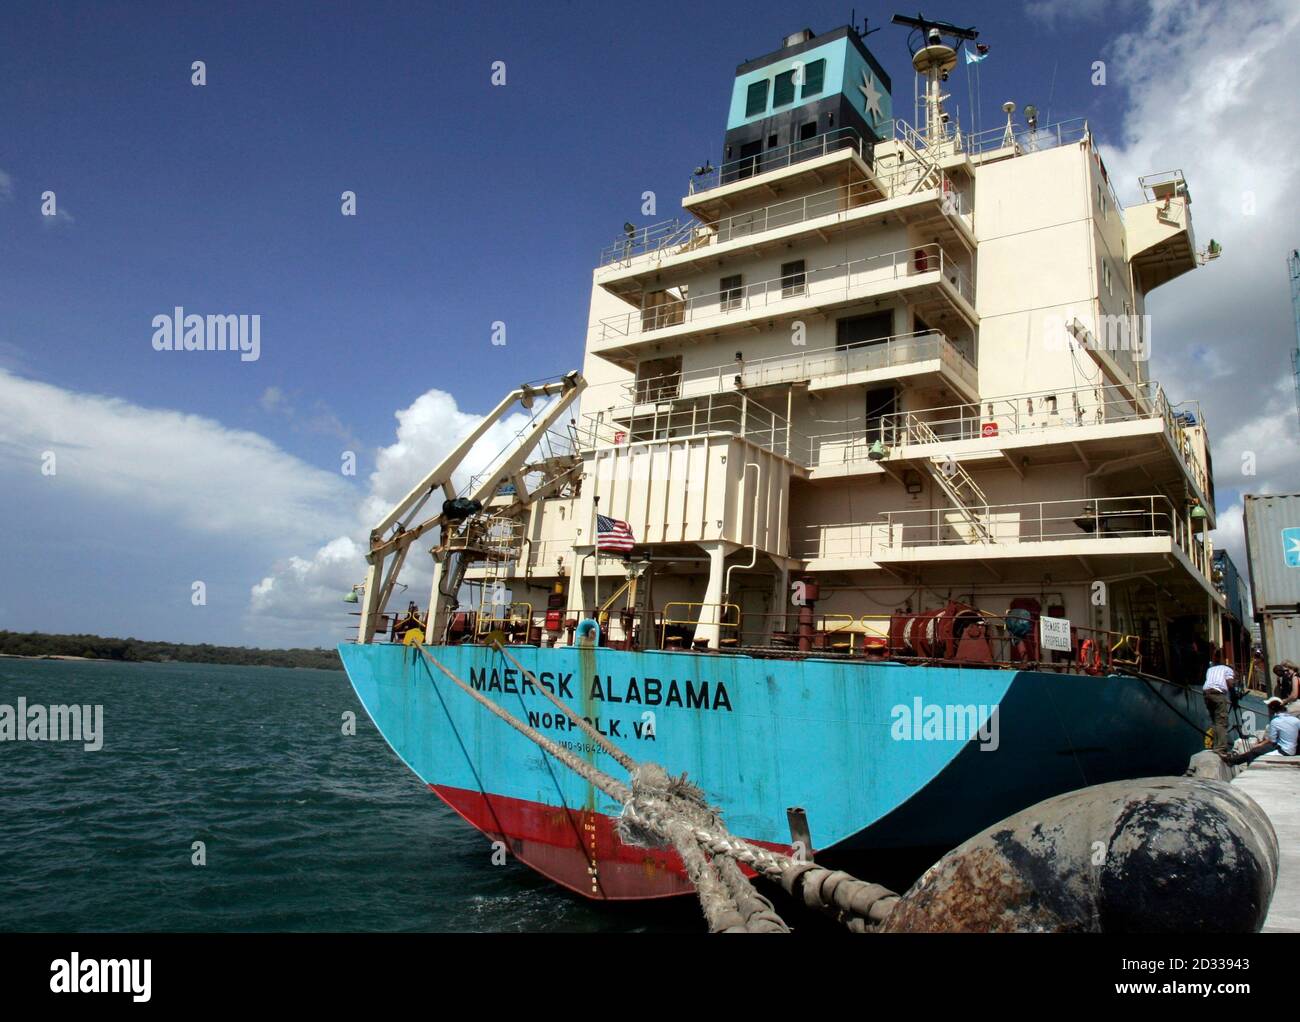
point(576, 848)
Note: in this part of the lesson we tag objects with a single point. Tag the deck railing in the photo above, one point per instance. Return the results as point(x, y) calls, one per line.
point(790, 290)
point(1095, 518)
point(726, 413)
point(819, 364)
point(674, 237)
point(1020, 137)
point(780, 158)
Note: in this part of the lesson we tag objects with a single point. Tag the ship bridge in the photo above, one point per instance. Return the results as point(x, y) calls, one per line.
point(1159, 232)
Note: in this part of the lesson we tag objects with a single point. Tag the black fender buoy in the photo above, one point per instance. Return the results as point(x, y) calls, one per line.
point(1154, 855)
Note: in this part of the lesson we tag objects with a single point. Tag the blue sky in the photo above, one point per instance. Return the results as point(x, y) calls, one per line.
point(475, 204)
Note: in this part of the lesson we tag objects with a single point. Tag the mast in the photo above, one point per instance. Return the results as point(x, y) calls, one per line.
point(934, 55)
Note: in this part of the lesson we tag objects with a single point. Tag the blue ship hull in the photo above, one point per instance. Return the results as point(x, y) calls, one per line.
point(878, 755)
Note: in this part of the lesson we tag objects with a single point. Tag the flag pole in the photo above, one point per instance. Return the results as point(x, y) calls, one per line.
point(595, 556)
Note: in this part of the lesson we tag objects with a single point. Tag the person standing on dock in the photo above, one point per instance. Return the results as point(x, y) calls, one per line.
point(1287, 687)
point(1218, 684)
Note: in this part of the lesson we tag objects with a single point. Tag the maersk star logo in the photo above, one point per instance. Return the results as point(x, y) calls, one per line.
point(1291, 547)
point(871, 95)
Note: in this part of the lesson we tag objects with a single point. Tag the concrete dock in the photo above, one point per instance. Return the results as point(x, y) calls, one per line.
point(1275, 784)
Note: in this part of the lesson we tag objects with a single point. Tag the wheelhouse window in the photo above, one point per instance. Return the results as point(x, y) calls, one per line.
point(814, 78)
point(756, 98)
point(783, 90)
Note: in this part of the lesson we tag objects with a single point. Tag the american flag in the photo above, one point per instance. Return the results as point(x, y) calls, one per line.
point(611, 534)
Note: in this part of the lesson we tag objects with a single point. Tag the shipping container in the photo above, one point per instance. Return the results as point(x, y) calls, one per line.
point(1273, 551)
point(1281, 639)
point(1228, 581)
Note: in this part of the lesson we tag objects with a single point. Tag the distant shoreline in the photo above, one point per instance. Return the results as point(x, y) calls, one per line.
point(112, 660)
point(101, 649)
point(63, 656)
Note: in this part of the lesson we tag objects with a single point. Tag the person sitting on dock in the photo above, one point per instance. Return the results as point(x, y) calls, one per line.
point(1281, 739)
point(1216, 691)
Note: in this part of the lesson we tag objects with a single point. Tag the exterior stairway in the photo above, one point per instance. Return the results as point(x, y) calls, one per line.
point(956, 483)
point(926, 173)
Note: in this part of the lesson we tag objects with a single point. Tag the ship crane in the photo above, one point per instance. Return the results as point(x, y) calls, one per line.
point(464, 525)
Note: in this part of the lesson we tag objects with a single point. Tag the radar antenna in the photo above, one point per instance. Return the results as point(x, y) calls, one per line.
point(934, 46)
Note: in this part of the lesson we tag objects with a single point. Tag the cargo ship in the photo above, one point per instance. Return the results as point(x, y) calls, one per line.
point(862, 510)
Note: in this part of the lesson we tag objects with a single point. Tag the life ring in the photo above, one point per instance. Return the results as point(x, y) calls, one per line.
point(1090, 656)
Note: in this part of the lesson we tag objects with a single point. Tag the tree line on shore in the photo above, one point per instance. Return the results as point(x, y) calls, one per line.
point(101, 648)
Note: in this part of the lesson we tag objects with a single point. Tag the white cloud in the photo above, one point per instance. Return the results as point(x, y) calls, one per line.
point(305, 592)
point(181, 475)
point(200, 475)
point(1050, 13)
point(1205, 87)
point(59, 216)
point(272, 399)
point(319, 420)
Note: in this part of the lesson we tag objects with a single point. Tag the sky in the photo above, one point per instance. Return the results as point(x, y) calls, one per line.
point(128, 474)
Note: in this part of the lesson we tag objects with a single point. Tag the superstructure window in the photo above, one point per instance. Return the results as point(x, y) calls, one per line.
point(733, 293)
point(808, 131)
point(814, 78)
point(659, 379)
point(855, 330)
point(756, 98)
point(882, 405)
point(793, 279)
point(783, 91)
point(1105, 276)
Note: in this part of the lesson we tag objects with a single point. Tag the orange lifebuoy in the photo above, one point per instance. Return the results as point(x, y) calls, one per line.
point(921, 260)
point(1090, 656)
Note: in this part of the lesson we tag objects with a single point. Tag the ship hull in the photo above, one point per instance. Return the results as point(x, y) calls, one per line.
point(878, 755)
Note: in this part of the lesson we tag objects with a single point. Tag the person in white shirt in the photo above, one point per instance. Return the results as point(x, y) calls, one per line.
point(1216, 691)
point(1283, 736)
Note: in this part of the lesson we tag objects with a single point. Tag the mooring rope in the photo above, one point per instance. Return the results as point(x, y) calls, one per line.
point(660, 810)
point(621, 757)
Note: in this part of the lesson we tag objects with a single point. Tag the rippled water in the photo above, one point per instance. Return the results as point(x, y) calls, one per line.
point(305, 828)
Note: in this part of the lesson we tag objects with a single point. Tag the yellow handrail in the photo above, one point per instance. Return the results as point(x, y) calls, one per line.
point(1128, 642)
point(485, 621)
point(668, 619)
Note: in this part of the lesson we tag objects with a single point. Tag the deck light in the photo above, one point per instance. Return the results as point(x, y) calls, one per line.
point(877, 451)
point(351, 597)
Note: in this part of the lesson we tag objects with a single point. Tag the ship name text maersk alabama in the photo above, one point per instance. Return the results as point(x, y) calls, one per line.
point(830, 519)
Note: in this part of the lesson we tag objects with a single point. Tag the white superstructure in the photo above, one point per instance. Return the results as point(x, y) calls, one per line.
point(906, 364)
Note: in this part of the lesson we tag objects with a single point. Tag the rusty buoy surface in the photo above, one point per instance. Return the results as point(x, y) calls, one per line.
point(1157, 855)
